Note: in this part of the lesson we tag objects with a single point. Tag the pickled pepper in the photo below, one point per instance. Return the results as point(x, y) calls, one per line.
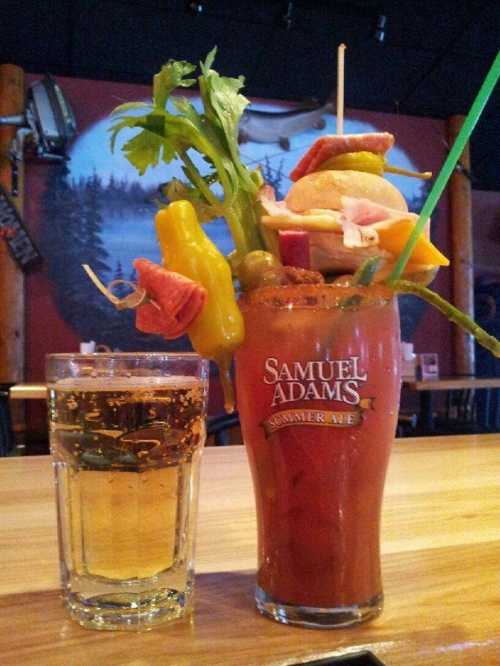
point(186, 249)
point(370, 162)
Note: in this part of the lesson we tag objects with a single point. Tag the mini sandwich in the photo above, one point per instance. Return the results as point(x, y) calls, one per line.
point(349, 214)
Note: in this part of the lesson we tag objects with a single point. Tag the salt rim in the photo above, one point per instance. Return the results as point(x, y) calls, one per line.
point(327, 296)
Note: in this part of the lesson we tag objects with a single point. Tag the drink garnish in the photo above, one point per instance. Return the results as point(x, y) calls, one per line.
point(332, 146)
point(166, 302)
point(363, 277)
point(351, 215)
point(294, 248)
point(364, 160)
point(218, 329)
point(254, 268)
point(451, 312)
point(179, 300)
point(213, 134)
point(134, 299)
point(351, 219)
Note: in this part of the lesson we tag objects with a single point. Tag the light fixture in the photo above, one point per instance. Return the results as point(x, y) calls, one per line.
point(46, 125)
point(193, 8)
point(379, 33)
point(287, 18)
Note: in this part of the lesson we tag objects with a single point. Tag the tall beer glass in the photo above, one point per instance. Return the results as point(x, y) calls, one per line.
point(126, 434)
point(318, 385)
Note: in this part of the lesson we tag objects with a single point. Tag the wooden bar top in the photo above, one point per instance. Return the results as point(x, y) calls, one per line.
point(28, 392)
point(441, 565)
point(452, 383)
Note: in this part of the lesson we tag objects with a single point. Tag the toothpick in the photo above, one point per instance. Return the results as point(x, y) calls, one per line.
point(137, 297)
point(340, 88)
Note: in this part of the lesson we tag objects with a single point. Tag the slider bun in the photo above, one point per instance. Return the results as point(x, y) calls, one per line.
point(323, 189)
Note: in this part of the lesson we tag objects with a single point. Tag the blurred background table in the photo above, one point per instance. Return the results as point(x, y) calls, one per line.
point(441, 557)
point(463, 404)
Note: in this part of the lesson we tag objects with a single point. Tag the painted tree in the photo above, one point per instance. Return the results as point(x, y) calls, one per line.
point(273, 176)
point(72, 226)
point(91, 225)
point(72, 222)
point(120, 290)
point(61, 241)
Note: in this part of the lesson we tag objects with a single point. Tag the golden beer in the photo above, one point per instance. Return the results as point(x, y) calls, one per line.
point(126, 454)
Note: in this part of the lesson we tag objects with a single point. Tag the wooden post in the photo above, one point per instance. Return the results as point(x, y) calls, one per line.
point(462, 253)
point(12, 310)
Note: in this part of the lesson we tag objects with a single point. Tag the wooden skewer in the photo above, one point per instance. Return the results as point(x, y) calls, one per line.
point(137, 297)
point(340, 88)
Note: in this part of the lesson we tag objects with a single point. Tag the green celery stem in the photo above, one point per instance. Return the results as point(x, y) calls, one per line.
point(197, 180)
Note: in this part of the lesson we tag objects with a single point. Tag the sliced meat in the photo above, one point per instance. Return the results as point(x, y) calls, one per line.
point(364, 211)
point(356, 223)
point(149, 319)
point(331, 145)
point(279, 216)
point(330, 255)
point(179, 300)
point(294, 248)
point(361, 220)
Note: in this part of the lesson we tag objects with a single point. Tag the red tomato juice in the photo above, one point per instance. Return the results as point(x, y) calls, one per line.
point(318, 385)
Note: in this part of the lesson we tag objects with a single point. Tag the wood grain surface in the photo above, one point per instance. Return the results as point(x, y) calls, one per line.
point(453, 383)
point(28, 392)
point(441, 562)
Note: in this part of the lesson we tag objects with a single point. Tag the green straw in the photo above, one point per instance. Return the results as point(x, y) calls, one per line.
point(476, 109)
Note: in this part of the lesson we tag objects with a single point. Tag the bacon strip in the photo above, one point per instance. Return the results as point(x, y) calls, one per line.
point(180, 300)
point(331, 145)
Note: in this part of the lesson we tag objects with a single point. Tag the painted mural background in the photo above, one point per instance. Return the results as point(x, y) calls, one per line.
point(96, 209)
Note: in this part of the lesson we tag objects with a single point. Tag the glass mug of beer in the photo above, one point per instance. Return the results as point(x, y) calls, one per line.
point(318, 383)
point(126, 434)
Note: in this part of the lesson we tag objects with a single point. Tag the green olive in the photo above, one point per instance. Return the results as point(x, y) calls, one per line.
point(254, 266)
point(274, 277)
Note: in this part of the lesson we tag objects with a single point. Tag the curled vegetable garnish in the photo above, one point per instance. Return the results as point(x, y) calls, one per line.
point(137, 296)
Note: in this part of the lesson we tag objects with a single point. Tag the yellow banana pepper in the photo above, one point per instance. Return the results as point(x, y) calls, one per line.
point(186, 249)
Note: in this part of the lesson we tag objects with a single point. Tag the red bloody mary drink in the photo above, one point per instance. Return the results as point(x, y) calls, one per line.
point(318, 385)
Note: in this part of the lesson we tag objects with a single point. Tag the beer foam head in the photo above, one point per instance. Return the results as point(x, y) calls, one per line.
point(131, 383)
